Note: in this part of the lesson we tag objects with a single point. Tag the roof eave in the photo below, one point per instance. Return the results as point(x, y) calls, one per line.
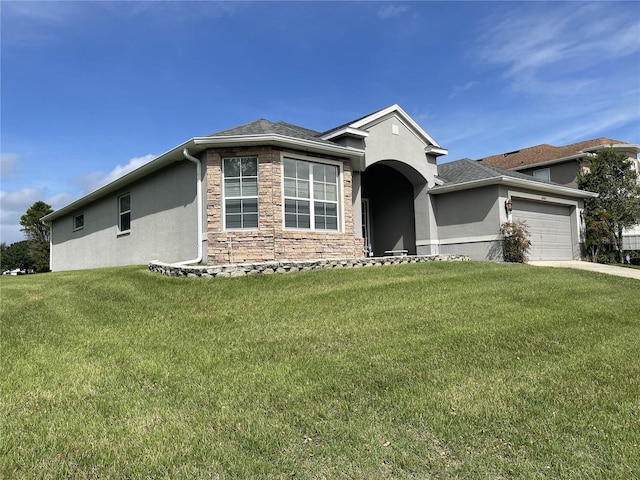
point(161, 161)
point(346, 131)
point(436, 151)
point(515, 182)
point(620, 146)
point(554, 161)
point(196, 145)
point(279, 140)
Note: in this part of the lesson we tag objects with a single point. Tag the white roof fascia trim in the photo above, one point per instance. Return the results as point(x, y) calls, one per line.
point(435, 150)
point(395, 108)
point(516, 182)
point(346, 131)
point(275, 139)
point(553, 161)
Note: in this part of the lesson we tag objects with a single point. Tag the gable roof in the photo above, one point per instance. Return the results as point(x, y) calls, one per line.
point(356, 127)
point(546, 153)
point(467, 174)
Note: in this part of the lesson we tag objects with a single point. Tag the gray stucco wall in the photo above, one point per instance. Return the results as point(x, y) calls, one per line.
point(163, 224)
point(562, 173)
point(383, 144)
point(468, 213)
point(469, 222)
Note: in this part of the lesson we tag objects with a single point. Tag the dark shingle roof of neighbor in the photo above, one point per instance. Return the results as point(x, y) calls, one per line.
point(266, 127)
point(465, 170)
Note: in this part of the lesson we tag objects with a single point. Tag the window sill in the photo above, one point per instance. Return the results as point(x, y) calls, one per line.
point(123, 234)
point(309, 230)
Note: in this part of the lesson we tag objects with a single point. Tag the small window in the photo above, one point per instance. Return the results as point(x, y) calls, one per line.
point(124, 209)
point(78, 221)
point(542, 174)
point(240, 193)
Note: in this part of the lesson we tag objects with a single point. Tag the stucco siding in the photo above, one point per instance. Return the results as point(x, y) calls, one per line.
point(486, 250)
point(391, 139)
point(469, 222)
point(562, 173)
point(468, 213)
point(163, 225)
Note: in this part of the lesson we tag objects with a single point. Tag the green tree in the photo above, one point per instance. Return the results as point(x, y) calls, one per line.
point(597, 233)
point(611, 175)
point(16, 255)
point(37, 234)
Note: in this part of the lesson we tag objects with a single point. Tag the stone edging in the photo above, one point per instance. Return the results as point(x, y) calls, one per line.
point(241, 269)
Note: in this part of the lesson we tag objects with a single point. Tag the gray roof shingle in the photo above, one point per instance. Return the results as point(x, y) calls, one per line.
point(266, 127)
point(465, 170)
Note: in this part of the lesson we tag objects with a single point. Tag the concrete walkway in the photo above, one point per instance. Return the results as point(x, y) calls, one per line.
point(594, 267)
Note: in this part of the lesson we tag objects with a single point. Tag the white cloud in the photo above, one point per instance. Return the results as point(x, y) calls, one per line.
point(8, 164)
point(95, 180)
point(550, 50)
point(13, 204)
point(390, 11)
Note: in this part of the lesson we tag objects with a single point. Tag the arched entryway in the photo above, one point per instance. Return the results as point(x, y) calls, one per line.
point(388, 207)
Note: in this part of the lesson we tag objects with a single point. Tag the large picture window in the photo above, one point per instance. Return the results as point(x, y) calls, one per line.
point(124, 213)
point(310, 195)
point(240, 192)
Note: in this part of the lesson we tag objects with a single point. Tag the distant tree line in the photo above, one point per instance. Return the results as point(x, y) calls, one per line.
point(32, 253)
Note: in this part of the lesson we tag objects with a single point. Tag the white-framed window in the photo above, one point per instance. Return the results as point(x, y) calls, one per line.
point(311, 195)
point(240, 192)
point(124, 213)
point(78, 221)
point(542, 174)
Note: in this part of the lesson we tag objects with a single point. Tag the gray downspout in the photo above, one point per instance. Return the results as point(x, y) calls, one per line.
point(198, 163)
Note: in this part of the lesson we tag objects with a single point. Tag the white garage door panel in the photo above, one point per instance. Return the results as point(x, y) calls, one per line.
point(549, 228)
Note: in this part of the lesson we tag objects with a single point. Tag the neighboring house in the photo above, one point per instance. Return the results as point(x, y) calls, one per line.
point(562, 164)
point(275, 191)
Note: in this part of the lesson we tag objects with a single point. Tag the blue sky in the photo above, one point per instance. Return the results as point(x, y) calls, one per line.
point(91, 90)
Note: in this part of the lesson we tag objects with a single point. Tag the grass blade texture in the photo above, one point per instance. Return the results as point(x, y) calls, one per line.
point(443, 370)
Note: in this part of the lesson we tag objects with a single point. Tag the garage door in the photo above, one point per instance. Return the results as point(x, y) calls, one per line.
point(549, 229)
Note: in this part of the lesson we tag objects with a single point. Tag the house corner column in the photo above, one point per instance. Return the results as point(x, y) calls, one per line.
point(426, 226)
point(356, 198)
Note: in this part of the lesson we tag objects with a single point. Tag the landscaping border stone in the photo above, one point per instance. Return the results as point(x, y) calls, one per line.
point(266, 268)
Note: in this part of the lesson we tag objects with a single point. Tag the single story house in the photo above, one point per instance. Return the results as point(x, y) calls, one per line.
point(275, 191)
point(562, 164)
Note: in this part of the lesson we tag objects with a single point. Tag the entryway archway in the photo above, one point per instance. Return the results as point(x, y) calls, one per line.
point(389, 218)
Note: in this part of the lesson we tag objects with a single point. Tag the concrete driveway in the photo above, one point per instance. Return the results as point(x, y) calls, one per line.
point(594, 267)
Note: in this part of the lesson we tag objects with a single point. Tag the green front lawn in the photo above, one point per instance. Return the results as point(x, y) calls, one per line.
point(443, 370)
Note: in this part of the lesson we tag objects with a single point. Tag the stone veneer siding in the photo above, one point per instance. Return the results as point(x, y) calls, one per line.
point(271, 242)
point(241, 269)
